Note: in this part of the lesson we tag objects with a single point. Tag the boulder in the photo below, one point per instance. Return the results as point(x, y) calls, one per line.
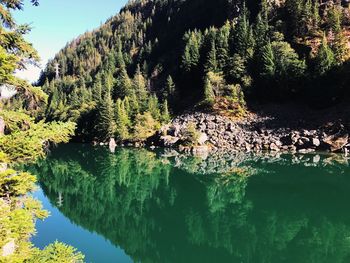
point(316, 142)
point(274, 147)
point(336, 142)
point(201, 150)
point(203, 138)
point(169, 141)
point(9, 248)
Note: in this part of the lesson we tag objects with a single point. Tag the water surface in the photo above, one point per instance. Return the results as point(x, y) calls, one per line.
point(142, 206)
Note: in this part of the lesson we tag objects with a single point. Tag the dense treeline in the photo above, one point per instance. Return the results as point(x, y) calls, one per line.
point(168, 54)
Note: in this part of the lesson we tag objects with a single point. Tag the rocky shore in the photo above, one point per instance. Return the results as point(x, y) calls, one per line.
point(255, 133)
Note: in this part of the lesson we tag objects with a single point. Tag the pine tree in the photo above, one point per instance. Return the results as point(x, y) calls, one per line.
point(325, 58)
point(134, 106)
point(122, 121)
point(153, 107)
point(223, 48)
point(307, 16)
point(261, 30)
point(165, 115)
point(209, 95)
point(139, 86)
point(268, 59)
point(340, 47)
point(212, 63)
point(105, 126)
point(191, 56)
point(316, 15)
point(123, 84)
point(244, 43)
point(170, 88)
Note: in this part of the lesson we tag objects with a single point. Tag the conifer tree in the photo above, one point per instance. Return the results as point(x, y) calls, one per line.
point(316, 15)
point(134, 106)
point(139, 86)
point(106, 125)
point(153, 107)
point(325, 58)
point(122, 121)
point(268, 59)
point(243, 37)
point(191, 56)
point(170, 89)
point(123, 84)
point(223, 47)
point(209, 95)
point(212, 62)
point(165, 115)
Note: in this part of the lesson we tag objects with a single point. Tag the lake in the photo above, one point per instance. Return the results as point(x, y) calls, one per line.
point(141, 206)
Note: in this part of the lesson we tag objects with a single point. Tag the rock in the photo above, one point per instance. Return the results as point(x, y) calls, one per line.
point(203, 138)
point(112, 145)
point(9, 248)
point(201, 150)
point(316, 142)
point(168, 141)
point(316, 159)
point(336, 142)
point(274, 147)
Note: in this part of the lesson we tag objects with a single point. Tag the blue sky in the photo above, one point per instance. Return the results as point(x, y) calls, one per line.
point(56, 22)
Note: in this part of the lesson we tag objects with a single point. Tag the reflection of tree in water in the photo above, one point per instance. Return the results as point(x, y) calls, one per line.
point(159, 213)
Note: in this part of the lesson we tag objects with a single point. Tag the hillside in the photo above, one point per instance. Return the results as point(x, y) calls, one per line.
point(163, 56)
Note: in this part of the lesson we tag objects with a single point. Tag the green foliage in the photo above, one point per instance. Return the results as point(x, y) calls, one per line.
point(145, 126)
point(30, 144)
point(165, 115)
point(105, 123)
point(325, 59)
point(57, 252)
point(122, 121)
point(190, 135)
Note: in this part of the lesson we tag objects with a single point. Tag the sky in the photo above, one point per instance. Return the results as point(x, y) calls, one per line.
point(56, 22)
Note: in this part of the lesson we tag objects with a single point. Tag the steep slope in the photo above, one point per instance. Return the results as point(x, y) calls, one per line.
point(210, 54)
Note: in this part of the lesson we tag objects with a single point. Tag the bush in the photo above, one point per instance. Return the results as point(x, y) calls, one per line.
point(190, 135)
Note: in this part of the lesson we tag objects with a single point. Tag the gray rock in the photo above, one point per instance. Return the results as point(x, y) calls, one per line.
point(316, 142)
point(169, 141)
point(203, 138)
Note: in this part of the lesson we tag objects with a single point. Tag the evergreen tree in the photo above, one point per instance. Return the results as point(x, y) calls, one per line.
point(243, 36)
point(325, 58)
point(268, 58)
point(139, 86)
point(122, 121)
point(105, 126)
point(165, 115)
point(316, 15)
point(170, 89)
point(209, 95)
point(123, 84)
point(191, 56)
point(153, 107)
point(134, 106)
point(212, 63)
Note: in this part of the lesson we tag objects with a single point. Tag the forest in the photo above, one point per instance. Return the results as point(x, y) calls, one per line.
point(156, 59)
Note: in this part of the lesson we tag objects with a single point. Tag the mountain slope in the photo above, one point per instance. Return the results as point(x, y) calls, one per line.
point(209, 54)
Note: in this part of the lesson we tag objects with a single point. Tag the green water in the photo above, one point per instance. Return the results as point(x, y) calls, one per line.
point(141, 206)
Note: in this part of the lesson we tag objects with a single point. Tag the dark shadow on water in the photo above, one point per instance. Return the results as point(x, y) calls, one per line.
point(165, 207)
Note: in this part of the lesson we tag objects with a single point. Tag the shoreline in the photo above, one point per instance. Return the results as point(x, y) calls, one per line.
point(255, 133)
